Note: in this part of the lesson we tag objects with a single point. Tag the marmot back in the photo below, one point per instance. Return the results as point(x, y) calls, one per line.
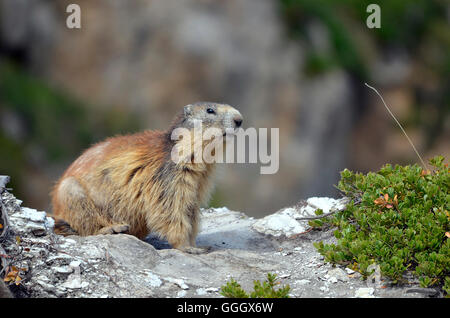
point(131, 184)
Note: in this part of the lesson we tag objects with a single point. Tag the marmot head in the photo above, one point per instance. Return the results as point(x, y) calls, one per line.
point(210, 115)
point(214, 120)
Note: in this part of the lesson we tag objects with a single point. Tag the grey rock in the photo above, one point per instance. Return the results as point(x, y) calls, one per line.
point(303, 282)
point(338, 274)
point(288, 221)
point(29, 220)
point(349, 271)
point(366, 292)
point(63, 269)
point(124, 266)
point(3, 182)
point(179, 282)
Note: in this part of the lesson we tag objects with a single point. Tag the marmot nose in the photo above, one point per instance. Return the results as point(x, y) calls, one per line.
point(238, 121)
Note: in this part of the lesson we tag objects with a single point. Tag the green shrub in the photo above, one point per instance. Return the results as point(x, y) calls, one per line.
point(399, 219)
point(261, 290)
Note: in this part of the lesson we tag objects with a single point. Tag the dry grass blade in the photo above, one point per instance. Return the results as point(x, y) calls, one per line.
point(384, 103)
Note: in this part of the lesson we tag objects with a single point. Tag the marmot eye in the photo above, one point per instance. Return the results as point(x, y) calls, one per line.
point(210, 111)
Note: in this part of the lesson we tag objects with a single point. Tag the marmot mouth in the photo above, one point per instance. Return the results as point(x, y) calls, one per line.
point(229, 132)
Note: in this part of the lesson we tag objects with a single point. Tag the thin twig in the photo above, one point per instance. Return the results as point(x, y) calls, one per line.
point(318, 216)
point(321, 216)
point(298, 234)
point(417, 153)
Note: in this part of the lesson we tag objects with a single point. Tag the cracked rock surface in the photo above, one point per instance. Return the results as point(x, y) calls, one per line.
point(121, 265)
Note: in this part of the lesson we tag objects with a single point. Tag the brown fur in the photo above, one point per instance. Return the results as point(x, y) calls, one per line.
point(130, 184)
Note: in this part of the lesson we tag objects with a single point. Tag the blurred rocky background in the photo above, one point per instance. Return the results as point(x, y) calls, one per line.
point(296, 65)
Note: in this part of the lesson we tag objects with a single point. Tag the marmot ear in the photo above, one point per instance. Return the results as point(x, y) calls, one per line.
point(187, 110)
